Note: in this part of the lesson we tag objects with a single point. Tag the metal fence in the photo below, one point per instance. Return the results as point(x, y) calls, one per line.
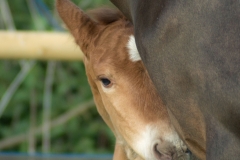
point(18, 156)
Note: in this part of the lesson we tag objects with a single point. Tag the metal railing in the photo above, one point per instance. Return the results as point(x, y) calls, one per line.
point(22, 156)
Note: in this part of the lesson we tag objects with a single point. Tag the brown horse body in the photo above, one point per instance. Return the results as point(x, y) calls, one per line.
point(123, 92)
point(191, 50)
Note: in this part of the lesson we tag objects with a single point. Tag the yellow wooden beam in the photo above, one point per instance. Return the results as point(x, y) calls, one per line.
point(38, 45)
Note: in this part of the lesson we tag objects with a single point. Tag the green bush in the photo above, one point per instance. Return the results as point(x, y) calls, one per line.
point(83, 134)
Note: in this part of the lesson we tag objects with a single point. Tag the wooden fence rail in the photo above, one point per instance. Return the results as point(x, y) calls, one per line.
point(38, 45)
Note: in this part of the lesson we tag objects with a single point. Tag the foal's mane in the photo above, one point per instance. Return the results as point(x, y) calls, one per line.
point(106, 15)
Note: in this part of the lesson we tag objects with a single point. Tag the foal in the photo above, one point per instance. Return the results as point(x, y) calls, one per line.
point(123, 92)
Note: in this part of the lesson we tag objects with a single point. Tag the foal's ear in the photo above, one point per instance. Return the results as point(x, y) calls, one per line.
point(80, 25)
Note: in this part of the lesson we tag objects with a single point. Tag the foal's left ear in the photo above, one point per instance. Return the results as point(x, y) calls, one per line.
point(80, 25)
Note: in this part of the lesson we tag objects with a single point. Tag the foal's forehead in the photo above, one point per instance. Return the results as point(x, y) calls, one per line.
point(114, 48)
point(116, 32)
point(112, 43)
point(119, 59)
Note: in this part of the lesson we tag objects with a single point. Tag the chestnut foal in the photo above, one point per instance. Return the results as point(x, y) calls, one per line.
point(123, 92)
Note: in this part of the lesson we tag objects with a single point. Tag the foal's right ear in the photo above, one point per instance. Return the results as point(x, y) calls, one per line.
point(80, 25)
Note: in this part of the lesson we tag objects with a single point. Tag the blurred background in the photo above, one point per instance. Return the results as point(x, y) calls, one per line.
point(46, 106)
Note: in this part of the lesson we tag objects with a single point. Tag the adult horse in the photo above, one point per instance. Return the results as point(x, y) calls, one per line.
point(124, 94)
point(191, 49)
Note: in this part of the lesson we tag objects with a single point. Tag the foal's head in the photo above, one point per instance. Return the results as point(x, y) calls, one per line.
point(124, 94)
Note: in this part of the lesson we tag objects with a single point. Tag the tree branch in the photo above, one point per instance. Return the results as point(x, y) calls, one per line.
point(47, 101)
point(14, 86)
point(7, 16)
point(76, 111)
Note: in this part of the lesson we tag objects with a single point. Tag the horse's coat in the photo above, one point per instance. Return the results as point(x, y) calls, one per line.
point(191, 49)
point(124, 94)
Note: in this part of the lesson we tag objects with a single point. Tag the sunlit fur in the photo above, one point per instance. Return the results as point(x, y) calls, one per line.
point(130, 106)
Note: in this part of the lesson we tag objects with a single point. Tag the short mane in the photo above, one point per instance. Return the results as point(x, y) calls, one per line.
point(105, 15)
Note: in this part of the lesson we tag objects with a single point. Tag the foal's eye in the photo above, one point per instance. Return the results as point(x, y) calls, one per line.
point(106, 82)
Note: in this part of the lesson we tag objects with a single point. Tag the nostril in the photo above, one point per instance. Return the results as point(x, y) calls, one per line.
point(159, 155)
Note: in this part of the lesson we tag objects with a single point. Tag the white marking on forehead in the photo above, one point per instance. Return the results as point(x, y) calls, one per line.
point(132, 48)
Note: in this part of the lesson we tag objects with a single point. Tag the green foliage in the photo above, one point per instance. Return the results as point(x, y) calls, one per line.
point(84, 134)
